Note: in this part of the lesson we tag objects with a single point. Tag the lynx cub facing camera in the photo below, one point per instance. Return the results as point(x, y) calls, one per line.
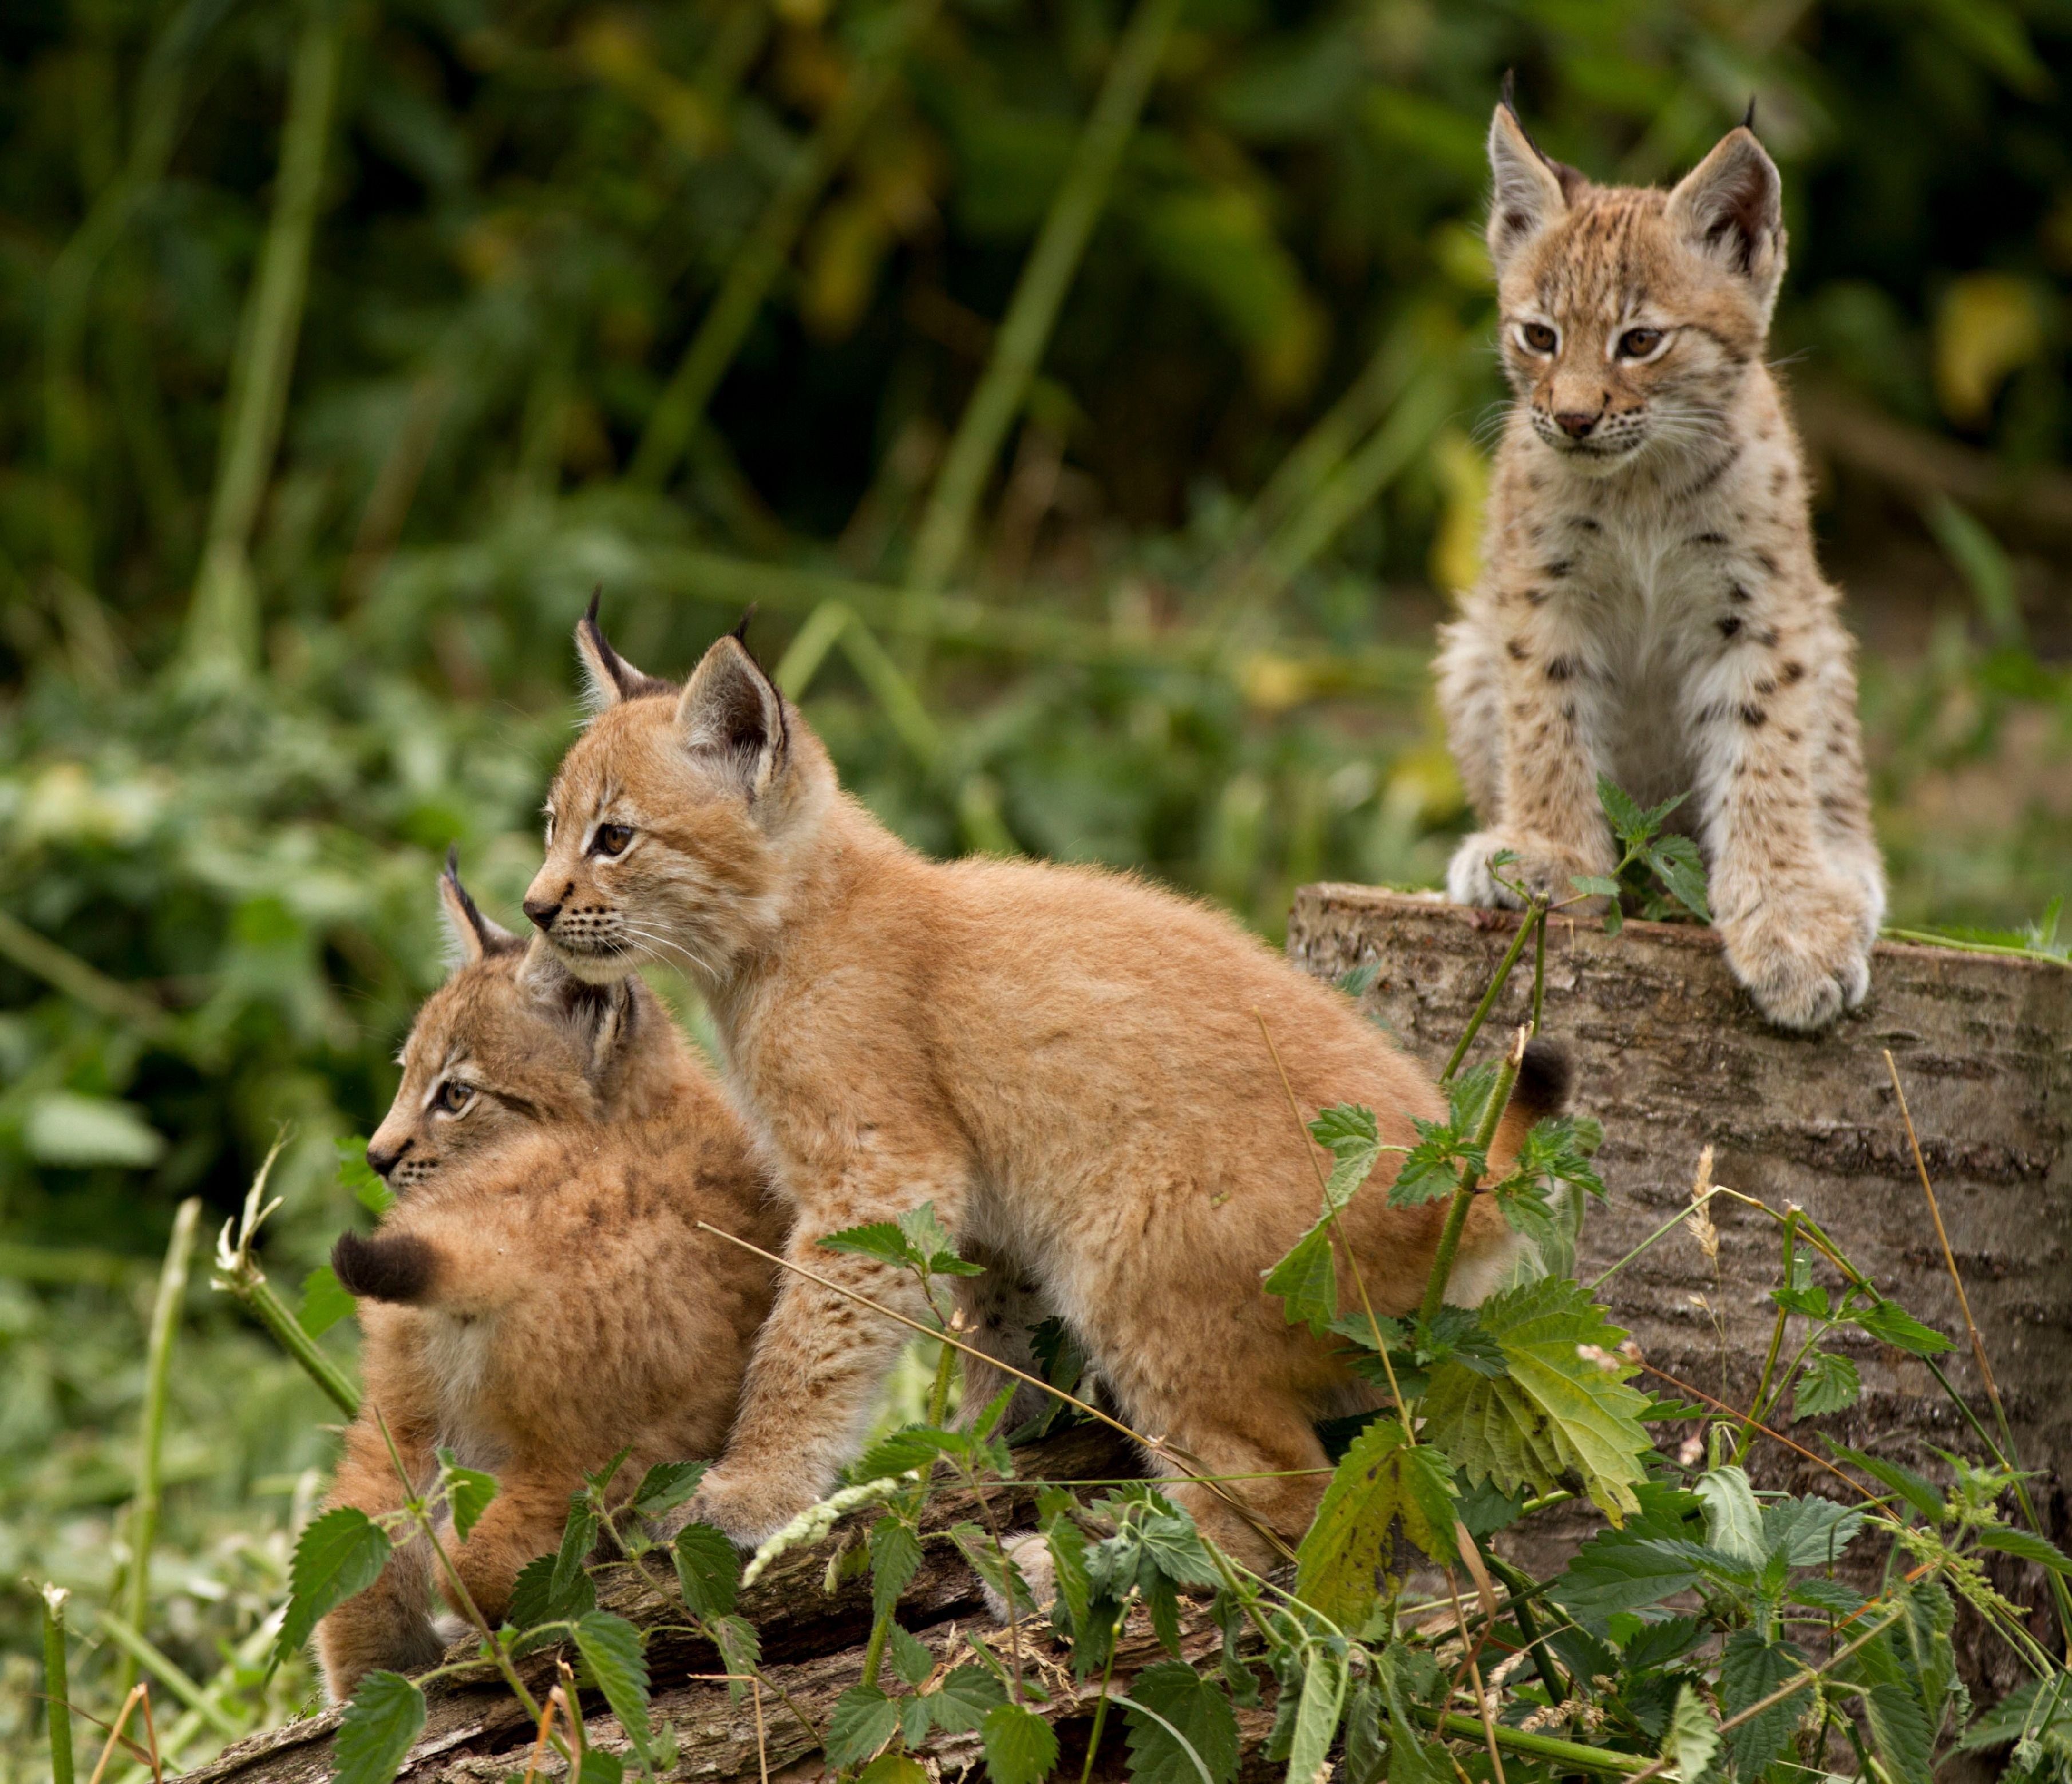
point(1651, 609)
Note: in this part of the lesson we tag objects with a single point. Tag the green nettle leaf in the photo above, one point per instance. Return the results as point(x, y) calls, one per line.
point(1890, 1323)
point(1181, 1727)
point(1345, 1564)
point(324, 1302)
point(1595, 885)
point(1349, 1132)
point(1676, 863)
point(965, 1699)
point(610, 1650)
point(2039, 1711)
point(895, 1558)
point(1307, 1281)
point(1067, 1543)
point(1020, 1747)
point(469, 1492)
point(1170, 1543)
point(902, 1452)
point(2029, 1546)
point(1693, 1741)
point(1811, 1531)
point(893, 1768)
point(1629, 822)
point(601, 1767)
point(578, 1537)
point(911, 1657)
point(1900, 1734)
point(881, 1239)
point(934, 1243)
point(1827, 1383)
point(1613, 1573)
point(740, 1647)
point(1750, 1669)
point(1919, 1494)
point(1316, 1714)
point(664, 1486)
point(1554, 1410)
point(707, 1568)
point(863, 1720)
point(336, 1556)
point(1734, 1521)
point(386, 1716)
point(533, 1600)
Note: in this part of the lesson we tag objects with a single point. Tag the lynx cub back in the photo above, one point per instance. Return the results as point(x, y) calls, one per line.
point(540, 1296)
point(1651, 608)
point(1067, 1063)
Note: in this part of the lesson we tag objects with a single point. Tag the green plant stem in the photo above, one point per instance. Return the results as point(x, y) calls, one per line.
point(873, 1654)
point(1464, 1194)
point(250, 1285)
point(143, 1521)
point(1653, 1239)
point(939, 546)
point(680, 410)
point(57, 1685)
point(1519, 1590)
point(1533, 918)
point(1538, 970)
point(83, 983)
point(154, 1660)
point(1758, 1405)
point(1100, 1702)
point(223, 619)
point(939, 1393)
point(1572, 1754)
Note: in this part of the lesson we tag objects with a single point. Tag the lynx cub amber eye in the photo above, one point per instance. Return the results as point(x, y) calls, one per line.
point(453, 1096)
point(1538, 336)
point(611, 839)
point(1636, 343)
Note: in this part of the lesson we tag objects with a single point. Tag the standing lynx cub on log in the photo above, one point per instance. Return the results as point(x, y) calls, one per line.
point(1066, 1062)
point(1651, 609)
point(541, 1296)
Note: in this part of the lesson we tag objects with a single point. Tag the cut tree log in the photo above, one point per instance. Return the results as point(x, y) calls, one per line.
point(1672, 1058)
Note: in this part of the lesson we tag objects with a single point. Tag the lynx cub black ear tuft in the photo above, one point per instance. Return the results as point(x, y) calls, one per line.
point(474, 934)
point(610, 678)
point(731, 709)
point(1730, 208)
point(1530, 192)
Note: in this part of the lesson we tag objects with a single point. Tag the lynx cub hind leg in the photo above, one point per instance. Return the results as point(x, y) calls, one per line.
point(1651, 608)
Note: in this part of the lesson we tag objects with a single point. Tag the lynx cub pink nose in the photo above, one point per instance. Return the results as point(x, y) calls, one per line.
point(1575, 423)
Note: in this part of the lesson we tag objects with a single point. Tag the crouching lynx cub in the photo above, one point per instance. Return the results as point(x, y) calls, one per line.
point(1068, 1063)
point(1651, 609)
point(541, 1296)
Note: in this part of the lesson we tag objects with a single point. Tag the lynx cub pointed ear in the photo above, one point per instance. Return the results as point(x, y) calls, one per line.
point(730, 709)
point(1531, 191)
point(610, 676)
point(1730, 208)
point(474, 934)
point(601, 1017)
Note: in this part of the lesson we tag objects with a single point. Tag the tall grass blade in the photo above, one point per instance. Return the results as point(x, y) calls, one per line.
point(57, 1689)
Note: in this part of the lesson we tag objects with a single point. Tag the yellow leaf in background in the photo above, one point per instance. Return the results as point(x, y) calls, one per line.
point(1990, 324)
point(842, 258)
point(1463, 255)
point(1423, 787)
point(1463, 475)
point(1272, 684)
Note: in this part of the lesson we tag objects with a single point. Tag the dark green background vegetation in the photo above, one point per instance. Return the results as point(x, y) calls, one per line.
point(288, 565)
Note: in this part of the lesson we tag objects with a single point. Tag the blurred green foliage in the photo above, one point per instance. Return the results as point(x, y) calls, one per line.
point(353, 343)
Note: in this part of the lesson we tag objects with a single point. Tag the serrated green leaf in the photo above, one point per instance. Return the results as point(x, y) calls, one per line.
point(912, 1658)
point(1657, 1644)
point(578, 1537)
point(1677, 864)
point(1594, 886)
point(602, 1766)
point(1900, 1734)
point(707, 1568)
point(863, 1721)
point(1306, 1280)
point(1431, 1168)
point(881, 1239)
point(1693, 1741)
point(1811, 1531)
point(1734, 1521)
point(337, 1555)
point(1020, 1747)
point(1612, 1573)
point(1345, 1564)
point(2038, 1711)
point(1827, 1383)
point(2026, 1544)
point(902, 1452)
point(1614, 919)
point(1348, 1131)
point(740, 1647)
point(893, 1768)
point(1181, 1727)
point(1554, 1410)
point(1067, 1543)
point(618, 1666)
point(1629, 822)
point(1316, 1714)
point(533, 1600)
point(1173, 1545)
point(965, 1699)
point(382, 1722)
point(324, 1302)
point(1890, 1323)
point(469, 1492)
point(1750, 1669)
point(895, 1558)
point(1903, 1481)
point(997, 1568)
point(664, 1486)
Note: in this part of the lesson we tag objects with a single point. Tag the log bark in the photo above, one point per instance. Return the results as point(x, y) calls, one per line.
point(1671, 1056)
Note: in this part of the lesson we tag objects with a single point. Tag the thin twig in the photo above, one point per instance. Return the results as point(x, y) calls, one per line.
point(136, 1692)
point(1778, 1436)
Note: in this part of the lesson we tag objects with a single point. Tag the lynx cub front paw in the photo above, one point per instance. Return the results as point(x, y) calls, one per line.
point(749, 1511)
point(1543, 865)
point(1804, 964)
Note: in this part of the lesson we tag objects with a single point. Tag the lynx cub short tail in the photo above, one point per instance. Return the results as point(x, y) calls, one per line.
point(1651, 609)
point(540, 1296)
point(1067, 1063)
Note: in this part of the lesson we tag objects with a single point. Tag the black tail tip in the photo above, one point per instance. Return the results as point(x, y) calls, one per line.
point(394, 1266)
point(1546, 1078)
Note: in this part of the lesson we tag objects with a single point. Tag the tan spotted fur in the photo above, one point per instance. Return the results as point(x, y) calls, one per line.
point(1651, 608)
